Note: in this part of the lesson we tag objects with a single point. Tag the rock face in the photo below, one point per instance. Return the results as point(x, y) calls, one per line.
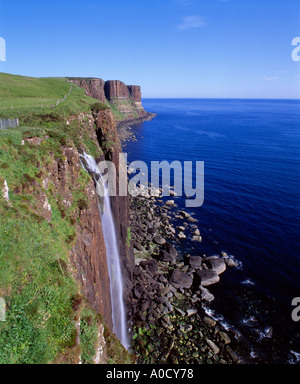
point(116, 89)
point(88, 253)
point(136, 96)
point(135, 93)
point(88, 258)
point(93, 87)
point(126, 99)
point(106, 131)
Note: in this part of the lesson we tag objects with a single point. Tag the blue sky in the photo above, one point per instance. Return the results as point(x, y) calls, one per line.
point(172, 48)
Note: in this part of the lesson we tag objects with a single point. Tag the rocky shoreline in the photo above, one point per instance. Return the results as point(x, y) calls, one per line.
point(170, 323)
point(124, 128)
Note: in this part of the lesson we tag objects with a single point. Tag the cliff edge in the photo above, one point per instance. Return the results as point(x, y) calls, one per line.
point(124, 100)
point(55, 283)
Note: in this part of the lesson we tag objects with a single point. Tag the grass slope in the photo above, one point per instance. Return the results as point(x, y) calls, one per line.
point(30, 95)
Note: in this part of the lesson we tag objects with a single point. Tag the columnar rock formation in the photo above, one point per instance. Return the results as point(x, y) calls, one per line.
point(116, 89)
point(127, 99)
point(93, 87)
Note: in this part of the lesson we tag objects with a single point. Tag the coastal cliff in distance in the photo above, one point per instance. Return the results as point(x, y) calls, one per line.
point(125, 100)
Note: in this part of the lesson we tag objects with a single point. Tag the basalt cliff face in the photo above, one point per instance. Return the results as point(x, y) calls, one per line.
point(88, 254)
point(107, 136)
point(57, 281)
point(93, 87)
point(88, 259)
point(125, 99)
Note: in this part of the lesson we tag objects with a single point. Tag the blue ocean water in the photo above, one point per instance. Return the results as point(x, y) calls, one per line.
point(251, 210)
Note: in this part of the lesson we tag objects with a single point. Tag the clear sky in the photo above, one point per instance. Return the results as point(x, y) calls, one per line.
point(172, 48)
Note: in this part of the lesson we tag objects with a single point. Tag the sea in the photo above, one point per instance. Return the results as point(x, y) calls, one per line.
point(251, 211)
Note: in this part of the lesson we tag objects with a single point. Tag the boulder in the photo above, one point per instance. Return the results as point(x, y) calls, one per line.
point(166, 257)
point(213, 346)
point(197, 238)
point(225, 338)
point(137, 293)
point(209, 321)
point(192, 220)
point(153, 231)
point(191, 312)
point(170, 230)
point(149, 224)
point(159, 240)
point(181, 313)
point(208, 277)
point(206, 295)
point(170, 202)
point(217, 265)
point(231, 262)
point(151, 266)
point(185, 214)
point(195, 262)
point(170, 249)
point(145, 306)
point(138, 246)
point(180, 279)
point(233, 355)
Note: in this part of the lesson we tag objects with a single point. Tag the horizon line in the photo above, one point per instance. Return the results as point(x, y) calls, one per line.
point(161, 98)
point(221, 98)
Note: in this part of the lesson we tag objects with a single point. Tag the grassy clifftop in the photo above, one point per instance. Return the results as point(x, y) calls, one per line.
point(22, 95)
point(38, 226)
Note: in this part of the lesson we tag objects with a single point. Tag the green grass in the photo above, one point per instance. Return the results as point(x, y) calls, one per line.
point(128, 238)
point(32, 98)
point(35, 279)
point(88, 335)
point(117, 105)
point(37, 290)
point(59, 123)
point(22, 92)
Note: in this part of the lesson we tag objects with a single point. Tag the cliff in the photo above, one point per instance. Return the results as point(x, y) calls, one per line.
point(125, 100)
point(93, 87)
point(56, 284)
point(106, 130)
point(88, 254)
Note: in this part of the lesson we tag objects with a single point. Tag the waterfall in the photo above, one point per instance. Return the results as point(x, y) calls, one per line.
point(112, 251)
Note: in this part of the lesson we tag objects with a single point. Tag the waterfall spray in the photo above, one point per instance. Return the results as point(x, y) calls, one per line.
point(112, 251)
